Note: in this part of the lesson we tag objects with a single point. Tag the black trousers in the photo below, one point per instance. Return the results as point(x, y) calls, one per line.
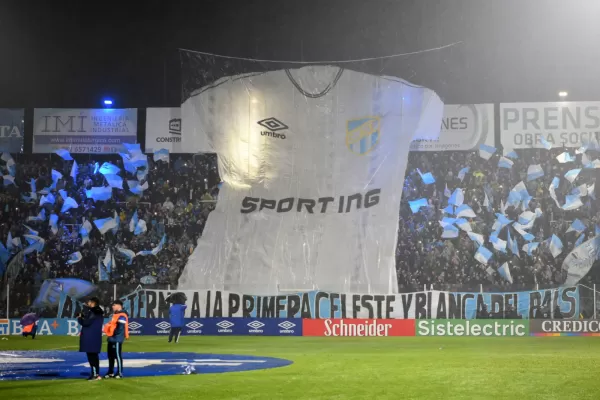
point(94, 360)
point(115, 351)
point(174, 333)
point(32, 333)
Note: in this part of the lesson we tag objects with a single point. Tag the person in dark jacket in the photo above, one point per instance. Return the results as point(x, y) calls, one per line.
point(176, 318)
point(91, 320)
point(117, 330)
point(29, 324)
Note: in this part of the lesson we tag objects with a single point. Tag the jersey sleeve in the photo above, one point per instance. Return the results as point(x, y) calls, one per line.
point(197, 126)
point(430, 121)
point(122, 320)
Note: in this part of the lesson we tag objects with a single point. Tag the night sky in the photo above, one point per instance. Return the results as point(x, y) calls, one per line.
point(73, 53)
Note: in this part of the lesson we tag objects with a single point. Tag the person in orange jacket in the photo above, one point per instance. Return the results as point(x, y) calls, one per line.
point(117, 330)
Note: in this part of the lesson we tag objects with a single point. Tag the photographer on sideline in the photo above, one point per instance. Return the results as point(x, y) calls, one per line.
point(90, 340)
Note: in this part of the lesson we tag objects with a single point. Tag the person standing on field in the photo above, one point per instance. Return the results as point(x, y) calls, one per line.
point(90, 339)
point(176, 316)
point(117, 331)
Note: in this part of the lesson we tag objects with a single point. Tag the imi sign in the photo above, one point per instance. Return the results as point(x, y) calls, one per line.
point(569, 124)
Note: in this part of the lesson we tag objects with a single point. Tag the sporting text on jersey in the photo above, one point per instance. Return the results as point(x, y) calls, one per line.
point(345, 203)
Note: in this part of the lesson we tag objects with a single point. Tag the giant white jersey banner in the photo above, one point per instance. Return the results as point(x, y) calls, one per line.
point(312, 162)
point(568, 124)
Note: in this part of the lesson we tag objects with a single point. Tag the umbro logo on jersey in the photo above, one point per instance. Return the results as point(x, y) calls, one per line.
point(274, 126)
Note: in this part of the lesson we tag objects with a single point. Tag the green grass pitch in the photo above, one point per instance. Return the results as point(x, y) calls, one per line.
point(347, 368)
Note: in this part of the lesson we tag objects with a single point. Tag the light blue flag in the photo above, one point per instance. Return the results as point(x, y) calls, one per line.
point(505, 163)
point(64, 154)
point(133, 222)
point(132, 148)
point(106, 224)
point(502, 220)
point(69, 204)
point(96, 168)
point(84, 231)
point(116, 218)
point(545, 144)
point(465, 211)
point(450, 232)
point(4, 255)
point(526, 218)
point(504, 272)
point(597, 230)
point(447, 221)
point(457, 198)
point(476, 237)
point(463, 224)
point(54, 223)
point(565, 158)
point(572, 174)
point(512, 154)
point(498, 243)
point(579, 240)
point(486, 151)
point(449, 210)
point(555, 182)
point(40, 217)
point(415, 205)
point(9, 242)
point(141, 174)
point(136, 188)
point(75, 258)
point(56, 176)
point(530, 247)
point(155, 250)
point(580, 260)
point(29, 199)
point(128, 254)
point(161, 155)
point(32, 186)
point(462, 173)
point(101, 193)
point(8, 180)
point(109, 169)
point(47, 199)
point(140, 228)
point(581, 190)
point(577, 226)
point(74, 170)
point(534, 172)
point(555, 245)
point(114, 181)
point(63, 194)
point(572, 202)
point(31, 231)
point(36, 243)
point(526, 235)
point(483, 255)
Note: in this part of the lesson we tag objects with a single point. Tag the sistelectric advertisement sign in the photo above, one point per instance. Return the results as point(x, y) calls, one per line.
point(483, 327)
point(99, 131)
point(568, 124)
point(163, 130)
point(560, 327)
point(358, 327)
point(11, 129)
point(464, 127)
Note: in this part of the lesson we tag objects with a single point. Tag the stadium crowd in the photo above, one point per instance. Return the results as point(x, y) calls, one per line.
point(182, 193)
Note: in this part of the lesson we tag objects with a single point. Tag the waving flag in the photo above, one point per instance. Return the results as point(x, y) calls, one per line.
point(31, 231)
point(447, 222)
point(512, 154)
point(447, 191)
point(114, 181)
point(84, 231)
point(36, 243)
point(56, 176)
point(534, 172)
point(527, 236)
point(118, 220)
point(530, 247)
point(8, 180)
point(140, 227)
point(161, 155)
point(486, 202)
point(54, 223)
point(64, 154)
point(130, 255)
point(417, 204)
point(32, 186)
point(141, 174)
point(47, 199)
point(457, 198)
point(40, 217)
point(109, 169)
point(526, 218)
point(462, 173)
point(75, 258)
point(498, 243)
point(576, 226)
point(555, 246)
point(552, 190)
point(136, 188)
point(572, 202)
point(133, 222)
point(579, 261)
point(572, 174)
point(465, 211)
point(96, 168)
point(450, 232)
point(74, 170)
point(546, 144)
point(501, 222)
point(463, 224)
point(580, 190)
point(133, 148)
point(579, 240)
point(69, 204)
point(505, 163)
point(565, 158)
point(106, 224)
point(504, 272)
point(483, 255)
point(10, 164)
point(155, 250)
point(476, 237)
point(486, 151)
point(99, 193)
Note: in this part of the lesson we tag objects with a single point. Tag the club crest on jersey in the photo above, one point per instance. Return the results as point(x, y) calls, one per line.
point(362, 135)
